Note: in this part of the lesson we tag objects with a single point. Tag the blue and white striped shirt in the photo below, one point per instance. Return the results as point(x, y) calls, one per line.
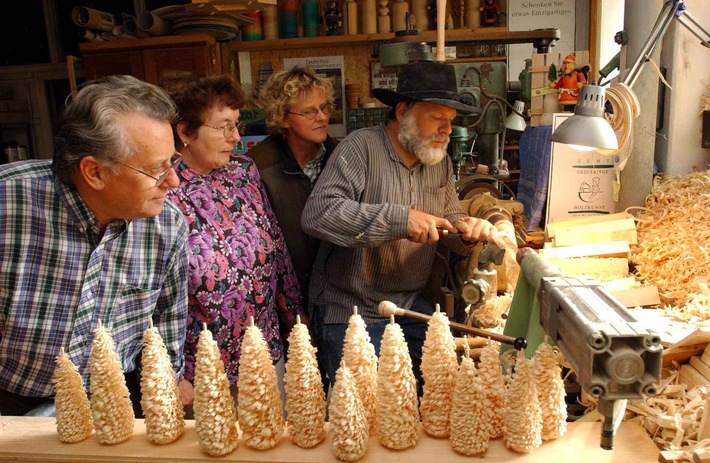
point(359, 208)
point(59, 277)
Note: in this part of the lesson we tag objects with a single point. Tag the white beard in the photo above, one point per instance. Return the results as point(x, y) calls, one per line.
point(416, 145)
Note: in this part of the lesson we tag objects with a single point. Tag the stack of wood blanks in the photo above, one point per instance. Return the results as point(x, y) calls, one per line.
point(599, 247)
point(697, 371)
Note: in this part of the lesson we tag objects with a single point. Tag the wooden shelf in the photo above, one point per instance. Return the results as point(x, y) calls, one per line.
point(149, 42)
point(453, 37)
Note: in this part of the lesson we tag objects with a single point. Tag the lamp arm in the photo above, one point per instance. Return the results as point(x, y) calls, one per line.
point(691, 24)
point(672, 9)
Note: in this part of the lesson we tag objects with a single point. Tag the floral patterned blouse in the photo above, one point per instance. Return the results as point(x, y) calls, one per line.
point(239, 263)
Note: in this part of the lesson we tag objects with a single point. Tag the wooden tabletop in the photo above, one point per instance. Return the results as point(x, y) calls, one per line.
point(35, 439)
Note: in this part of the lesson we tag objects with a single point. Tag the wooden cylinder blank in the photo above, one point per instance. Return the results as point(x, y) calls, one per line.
point(270, 19)
point(440, 26)
point(473, 15)
point(421, 17)
point(351, 17)
point(368, 14)
point(400, 8)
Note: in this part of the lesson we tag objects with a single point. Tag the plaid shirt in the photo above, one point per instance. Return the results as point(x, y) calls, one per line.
point(59, 277)
point(314, 166)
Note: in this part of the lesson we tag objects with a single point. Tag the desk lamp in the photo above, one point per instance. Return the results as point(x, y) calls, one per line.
point(588, 129)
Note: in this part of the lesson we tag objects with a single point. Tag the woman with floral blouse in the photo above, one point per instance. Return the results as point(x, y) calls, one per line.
point(239, 264)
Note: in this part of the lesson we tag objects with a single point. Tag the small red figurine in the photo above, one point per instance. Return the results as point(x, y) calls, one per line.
point(489, 13)
point(570, 82)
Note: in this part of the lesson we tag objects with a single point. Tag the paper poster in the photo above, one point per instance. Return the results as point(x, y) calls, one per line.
point(528, 15)
point(333, 68)
point(580, 181)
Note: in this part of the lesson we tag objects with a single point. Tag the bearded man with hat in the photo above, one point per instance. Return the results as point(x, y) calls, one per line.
point(380, 206)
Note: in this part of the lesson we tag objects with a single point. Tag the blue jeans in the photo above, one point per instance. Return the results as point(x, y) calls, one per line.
point(331, 337)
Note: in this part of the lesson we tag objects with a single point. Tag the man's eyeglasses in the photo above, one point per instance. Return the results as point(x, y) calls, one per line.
point(228, 130)
point(161, 176)
point(312, 113)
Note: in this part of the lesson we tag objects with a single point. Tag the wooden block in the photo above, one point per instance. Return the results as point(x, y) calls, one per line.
point(681, 354)
point(704, 427)
point(701, 456)
point(706, 355)
point(607, 249)
point(551, 228)
point(700, 336)
point(691, 377)
point(617, 230)
point(700, 366)
point(641, 296)
point(599, 268)
point(671, 456)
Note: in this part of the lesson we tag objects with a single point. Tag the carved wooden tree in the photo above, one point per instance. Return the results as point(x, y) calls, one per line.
point(111, 407)
point(72, 408)
point(215, 414)
point(550, 392)
point(397, 416)
point(259, 404)
point(348, 426)
point(523, 418)
point(160, 397)
point(439, 367)
point(305, 398)
point(359, 356)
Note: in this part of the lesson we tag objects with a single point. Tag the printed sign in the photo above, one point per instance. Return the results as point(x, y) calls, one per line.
point(581, 182)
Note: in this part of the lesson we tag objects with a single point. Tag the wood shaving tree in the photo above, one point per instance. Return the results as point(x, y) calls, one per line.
point(160, 397)
point(397, 415)
point(259, 405)
point(111, 408)
point(522, 425)
point(349, 429)
point(305, 398)
point(470, 430)
point(550, 392)
point(359, 356)
point(71, 404)
point(491, 375)
point(215, 414)
point(439, 366)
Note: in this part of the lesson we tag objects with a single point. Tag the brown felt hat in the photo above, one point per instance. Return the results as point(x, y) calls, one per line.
point(426, 81)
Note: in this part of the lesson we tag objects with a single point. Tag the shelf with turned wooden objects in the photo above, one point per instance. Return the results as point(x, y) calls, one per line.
point(245, 58)
point(539, 38)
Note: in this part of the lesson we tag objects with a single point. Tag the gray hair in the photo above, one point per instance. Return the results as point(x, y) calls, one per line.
point(90, 124)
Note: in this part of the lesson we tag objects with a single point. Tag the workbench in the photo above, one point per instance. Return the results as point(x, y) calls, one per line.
point(35, 439)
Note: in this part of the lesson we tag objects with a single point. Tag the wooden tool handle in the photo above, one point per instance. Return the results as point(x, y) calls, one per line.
point(387, 308)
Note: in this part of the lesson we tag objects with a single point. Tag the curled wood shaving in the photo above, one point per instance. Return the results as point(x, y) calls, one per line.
point(674, 243)
point(672, 417)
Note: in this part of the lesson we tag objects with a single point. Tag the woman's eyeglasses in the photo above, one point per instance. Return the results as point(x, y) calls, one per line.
point(228, 130)
point(312, 113)
point(161, 176)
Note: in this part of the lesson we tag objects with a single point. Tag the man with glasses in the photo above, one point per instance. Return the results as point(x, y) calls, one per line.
point(89, 238)
point(298, 104)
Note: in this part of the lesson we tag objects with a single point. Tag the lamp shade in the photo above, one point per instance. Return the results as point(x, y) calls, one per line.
point(588, 127)
point(515, 121)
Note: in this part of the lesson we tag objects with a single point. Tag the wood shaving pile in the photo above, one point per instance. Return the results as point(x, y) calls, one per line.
point(674, 243)
point(672, 417)
point(489, 315)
